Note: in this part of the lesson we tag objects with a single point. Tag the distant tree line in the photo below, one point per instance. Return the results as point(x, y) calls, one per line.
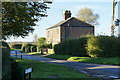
point(32, 47)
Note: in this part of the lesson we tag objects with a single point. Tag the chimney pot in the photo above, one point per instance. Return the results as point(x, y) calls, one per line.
point(67, 14)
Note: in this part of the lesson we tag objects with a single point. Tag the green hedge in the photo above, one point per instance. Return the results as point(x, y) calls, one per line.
point(17, 71)
point(99, 46)
point(103, 46)
point(16, 46)
point(75, 47)
point(6, 61)
point(27, 47)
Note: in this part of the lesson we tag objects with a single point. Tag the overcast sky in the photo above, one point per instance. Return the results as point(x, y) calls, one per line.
point(55, 15)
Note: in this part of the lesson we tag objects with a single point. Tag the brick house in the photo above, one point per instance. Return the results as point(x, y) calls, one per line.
point(70, 27)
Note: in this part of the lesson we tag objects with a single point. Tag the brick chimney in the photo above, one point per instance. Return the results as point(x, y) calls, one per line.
point(67, 14)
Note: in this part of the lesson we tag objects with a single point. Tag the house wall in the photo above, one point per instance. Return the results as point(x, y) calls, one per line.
point(53, 35)
point(75, 32)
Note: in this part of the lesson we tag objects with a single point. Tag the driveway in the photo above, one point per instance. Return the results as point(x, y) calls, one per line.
point(106, 72)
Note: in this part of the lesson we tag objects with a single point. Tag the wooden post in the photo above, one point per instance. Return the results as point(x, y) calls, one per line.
point(24, 75)
point(29, 76)
point(21, 56)
point(16, 53)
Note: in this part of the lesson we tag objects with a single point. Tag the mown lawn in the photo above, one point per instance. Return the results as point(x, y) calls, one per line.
point(34, 53)
point(58, 56)
point(14, 49)
point(46, 70)
point(111, 60)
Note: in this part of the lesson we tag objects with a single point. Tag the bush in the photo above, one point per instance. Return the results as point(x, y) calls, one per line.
point(118, 51)
point(57, 48)
point(75, 47)
point(16, 46)
point(6, 63)
point(33, 48)
point(103, 46)
point(27, 47)
point(100, 46)
point(17, 71)
point(80, 47)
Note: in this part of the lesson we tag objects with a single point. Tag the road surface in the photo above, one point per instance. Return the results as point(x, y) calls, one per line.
point(106, 72)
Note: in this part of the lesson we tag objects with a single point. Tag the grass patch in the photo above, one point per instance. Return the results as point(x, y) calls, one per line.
point(14, 49)
point(34, 53)
point(58, 56)
point(111, 60)
point(45, 70)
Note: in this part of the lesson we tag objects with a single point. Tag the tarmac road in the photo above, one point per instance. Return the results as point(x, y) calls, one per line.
point(106, 72)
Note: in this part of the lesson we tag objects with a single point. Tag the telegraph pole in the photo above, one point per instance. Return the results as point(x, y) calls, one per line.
point(113, 13)
point(119, 18)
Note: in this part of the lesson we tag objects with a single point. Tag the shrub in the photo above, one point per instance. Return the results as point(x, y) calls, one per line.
point(16, 46)
point(80, 47)
point(118, 51)
point(27, 47)
point(103, 46)
point(75, 47)
point(17, 71)
point(6, 63)
point(56, 48)
point(34, 48)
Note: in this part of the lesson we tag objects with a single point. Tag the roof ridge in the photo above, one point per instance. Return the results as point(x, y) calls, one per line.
point(60, 23)
point(65, 21)
point(83, 21)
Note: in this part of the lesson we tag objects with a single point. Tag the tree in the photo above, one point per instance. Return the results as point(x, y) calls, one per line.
point(18, 18)
point(35, 39)
point(41, 43)
point(87, 15)
point(41, 40)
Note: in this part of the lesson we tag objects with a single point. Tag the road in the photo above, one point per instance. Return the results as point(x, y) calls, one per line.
point(106, 72)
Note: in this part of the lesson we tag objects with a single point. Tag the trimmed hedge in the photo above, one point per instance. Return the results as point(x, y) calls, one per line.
point(6, 61)
point(103, 46)
point(17, 71)
point(99, 46)
point(29, 48)
point(16, 46)
point(75, 47)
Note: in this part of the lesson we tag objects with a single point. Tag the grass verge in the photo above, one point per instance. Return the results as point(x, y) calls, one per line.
point(111, 60)
point(14, 49)
point(58, 56)
point(34, 53)
point(46, 70)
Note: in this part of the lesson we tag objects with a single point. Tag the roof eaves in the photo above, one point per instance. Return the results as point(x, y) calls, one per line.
point(61, 23)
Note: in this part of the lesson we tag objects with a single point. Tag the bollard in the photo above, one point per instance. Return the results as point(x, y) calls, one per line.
point(21, 56)
point(16, 53)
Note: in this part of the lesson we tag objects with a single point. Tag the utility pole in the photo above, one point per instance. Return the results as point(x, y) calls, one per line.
point(113, 13)
point(119, 18)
